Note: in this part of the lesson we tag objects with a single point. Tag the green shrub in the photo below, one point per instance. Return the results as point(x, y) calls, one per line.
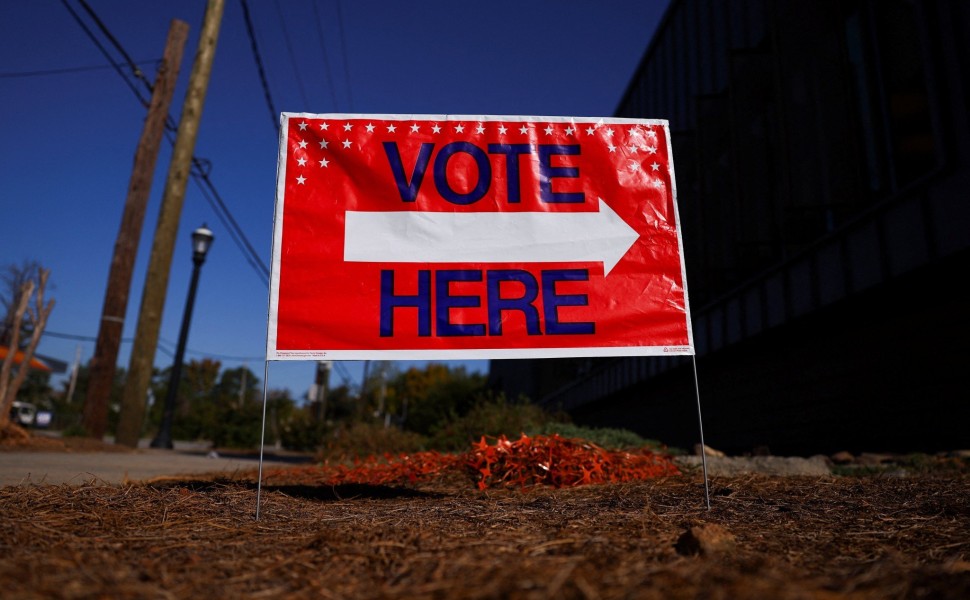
point(302, 433)
point(238, 428)
point(436, 395)
point(366, 439)
point(489, 417)
point(605, 437)
point(74, 431)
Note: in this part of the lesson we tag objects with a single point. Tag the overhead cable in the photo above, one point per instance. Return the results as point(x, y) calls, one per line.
point(80, 338)
point(104, 51)
point(138, 73)
point(213, 354)
point(200, 173)
point(344, 374)
point(292, 55)
point(343, 51)
point(273, 115)
point(323, 50)
point(211, 194)
point(162, 340)
point(65, 70)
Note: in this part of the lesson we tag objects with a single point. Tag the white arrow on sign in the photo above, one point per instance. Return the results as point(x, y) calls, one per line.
point(488, 237)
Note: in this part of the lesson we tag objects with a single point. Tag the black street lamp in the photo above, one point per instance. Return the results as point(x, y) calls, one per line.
point(201, 240)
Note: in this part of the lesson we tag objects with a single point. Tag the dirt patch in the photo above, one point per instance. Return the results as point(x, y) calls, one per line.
point(17, 439)
point(765, 537)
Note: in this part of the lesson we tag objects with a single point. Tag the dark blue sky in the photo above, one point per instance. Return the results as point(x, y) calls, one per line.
point(67, 139)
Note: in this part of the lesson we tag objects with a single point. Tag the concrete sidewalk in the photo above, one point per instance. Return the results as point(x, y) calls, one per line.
point(78, 468)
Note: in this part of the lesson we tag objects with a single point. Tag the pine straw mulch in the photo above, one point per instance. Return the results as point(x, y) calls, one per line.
point(834, 537)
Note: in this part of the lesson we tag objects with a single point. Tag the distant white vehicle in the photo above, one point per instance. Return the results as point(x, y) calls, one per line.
point(23, 413)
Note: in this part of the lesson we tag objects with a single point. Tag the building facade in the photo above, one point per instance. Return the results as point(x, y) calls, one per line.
point(822, 156)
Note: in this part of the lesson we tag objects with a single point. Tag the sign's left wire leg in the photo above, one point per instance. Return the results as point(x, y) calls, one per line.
point(262, 437)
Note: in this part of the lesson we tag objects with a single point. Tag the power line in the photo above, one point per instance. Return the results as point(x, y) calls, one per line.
point(344, 374)
point(259, 66)
point(219, 207)
point(138, 73)
point(200, 172)
point(215, 355)
point(323, 50)
point(104, 51)
point(343, 50)
point(66, 70)
point(80, 338)
point(91, 338)
point(292, 55)
point(165, 351)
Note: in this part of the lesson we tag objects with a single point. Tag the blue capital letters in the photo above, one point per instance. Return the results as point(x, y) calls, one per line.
point(444, 302)
point(441, 173)
point(524, 303)
point(547, 172)
point(390, 301)
point(408, 189)
point(552, 301)
point(511, 152)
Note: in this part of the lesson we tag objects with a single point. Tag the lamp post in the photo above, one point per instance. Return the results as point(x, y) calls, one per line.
point(201, 240)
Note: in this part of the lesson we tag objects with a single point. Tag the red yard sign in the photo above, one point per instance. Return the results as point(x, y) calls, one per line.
point(447, 237)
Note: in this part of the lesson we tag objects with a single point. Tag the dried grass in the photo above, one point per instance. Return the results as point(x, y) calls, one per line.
point(795, 538)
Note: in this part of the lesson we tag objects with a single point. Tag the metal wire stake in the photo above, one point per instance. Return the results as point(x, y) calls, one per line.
point(700, 422)
point(262, 437)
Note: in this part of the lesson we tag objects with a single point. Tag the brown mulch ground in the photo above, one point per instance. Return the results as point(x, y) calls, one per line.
point(836, 537)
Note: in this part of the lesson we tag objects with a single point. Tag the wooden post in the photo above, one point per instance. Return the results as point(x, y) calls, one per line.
point(95, 419)
point(156, 281)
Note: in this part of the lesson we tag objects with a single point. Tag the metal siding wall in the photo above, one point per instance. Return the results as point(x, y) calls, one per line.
point(903, 234)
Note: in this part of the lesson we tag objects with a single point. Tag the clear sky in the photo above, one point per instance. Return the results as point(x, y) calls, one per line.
point(67, 138)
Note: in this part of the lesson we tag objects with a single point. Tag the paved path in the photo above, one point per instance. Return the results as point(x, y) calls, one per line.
point(117, 467)
point(731, 466)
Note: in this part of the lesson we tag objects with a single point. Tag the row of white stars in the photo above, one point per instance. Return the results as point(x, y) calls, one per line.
point(324, 144)
point(480, 129)
point(657, 182)
point(634, 167)
point(325, 163)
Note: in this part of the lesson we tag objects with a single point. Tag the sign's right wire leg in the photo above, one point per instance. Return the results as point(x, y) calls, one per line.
point(700, 422)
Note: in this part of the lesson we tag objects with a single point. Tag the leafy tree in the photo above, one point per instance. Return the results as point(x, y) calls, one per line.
point(238, 386)
point(341, 404)
point(240, 426)
point(221, 406)
point(434, 395)
point(300, 429)
point(37, 389)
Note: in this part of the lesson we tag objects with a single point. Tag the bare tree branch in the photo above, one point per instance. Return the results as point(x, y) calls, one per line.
point(26, 290)
point(12, 280)
point(37, 317)
point(38, 320)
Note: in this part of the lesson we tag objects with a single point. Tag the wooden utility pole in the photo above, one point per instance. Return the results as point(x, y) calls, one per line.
point(105, 358)
point(156, 281)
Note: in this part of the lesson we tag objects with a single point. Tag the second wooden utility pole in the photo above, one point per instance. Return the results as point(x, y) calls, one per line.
point(156, 281)
point(126, 245)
